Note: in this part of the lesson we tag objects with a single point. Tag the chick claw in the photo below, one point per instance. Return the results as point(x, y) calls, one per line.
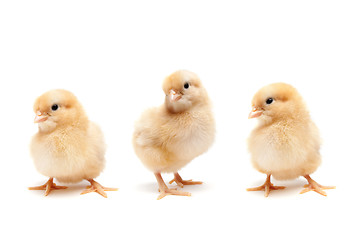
point(180, 182)
point(314, 186)
point(96, 187)
point(48, 187)
point(267, 187)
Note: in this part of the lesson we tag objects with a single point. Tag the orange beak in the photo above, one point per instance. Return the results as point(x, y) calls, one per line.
point(255, 113)
point(40, 117)
point(174, 96)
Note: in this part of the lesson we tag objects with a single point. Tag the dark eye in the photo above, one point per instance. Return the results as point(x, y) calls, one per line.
point(269, 101)
point(186, 85)
point(54, 107)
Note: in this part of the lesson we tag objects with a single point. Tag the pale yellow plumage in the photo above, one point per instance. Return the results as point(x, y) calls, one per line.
point(286, 142)
point(168, 137)
point(68, 147)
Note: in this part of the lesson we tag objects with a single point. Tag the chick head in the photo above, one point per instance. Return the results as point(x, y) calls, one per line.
point(57, 108)
point(183, 90)
point(276, 101)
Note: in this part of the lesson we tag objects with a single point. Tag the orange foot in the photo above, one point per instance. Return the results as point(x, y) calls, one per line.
point(165, 191)
point(267, 187)
point(180, 182)
point(314, 186)
point(96, 187)
point(48, 187)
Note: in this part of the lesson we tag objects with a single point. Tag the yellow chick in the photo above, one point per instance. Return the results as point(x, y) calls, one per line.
point(168, 137)
point(68, 146)
point(286, 142)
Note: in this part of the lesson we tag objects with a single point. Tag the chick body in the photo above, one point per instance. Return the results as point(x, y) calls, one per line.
point(70, 154)
point(166, 142)
point(286, 149)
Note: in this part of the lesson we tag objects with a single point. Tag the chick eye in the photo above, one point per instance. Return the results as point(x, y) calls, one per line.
point(54, 107)
point(269, 101)
point(186, 85)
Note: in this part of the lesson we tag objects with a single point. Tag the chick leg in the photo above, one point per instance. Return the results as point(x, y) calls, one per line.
point(180, 182)
point(48, 187)
point(267, 187)
point(96, 187)
point(164, 190)
point(314, 186)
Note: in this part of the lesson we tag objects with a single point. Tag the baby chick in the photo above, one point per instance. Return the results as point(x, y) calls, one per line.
point(168, 137)
point(68, 146)
point(286, 142)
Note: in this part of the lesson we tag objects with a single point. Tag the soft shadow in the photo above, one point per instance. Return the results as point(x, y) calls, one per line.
point(149, 187)
point(153, 187)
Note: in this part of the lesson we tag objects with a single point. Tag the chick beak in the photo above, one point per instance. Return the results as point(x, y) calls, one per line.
point(174, 96)
point(255, 113)
point(40, 117)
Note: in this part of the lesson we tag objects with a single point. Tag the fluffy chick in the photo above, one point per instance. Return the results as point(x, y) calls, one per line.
point(68, 146)
point(286, 142)
point(168, 137)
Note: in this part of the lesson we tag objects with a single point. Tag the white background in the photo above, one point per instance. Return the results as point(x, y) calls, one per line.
point(114, 56)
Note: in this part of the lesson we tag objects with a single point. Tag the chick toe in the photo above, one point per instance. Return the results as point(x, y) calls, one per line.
point(96, 187)
point(180, 182)
point(314, 186)
point(48, 187)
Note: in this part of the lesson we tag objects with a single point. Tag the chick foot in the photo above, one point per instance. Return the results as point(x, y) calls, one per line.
point(267, 187)
point(314, 186)
point(165, 191)
point(96, 187)
point(180, 182)
point(48, 187)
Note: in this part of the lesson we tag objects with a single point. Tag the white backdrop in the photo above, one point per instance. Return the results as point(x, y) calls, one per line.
point(114, 56)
